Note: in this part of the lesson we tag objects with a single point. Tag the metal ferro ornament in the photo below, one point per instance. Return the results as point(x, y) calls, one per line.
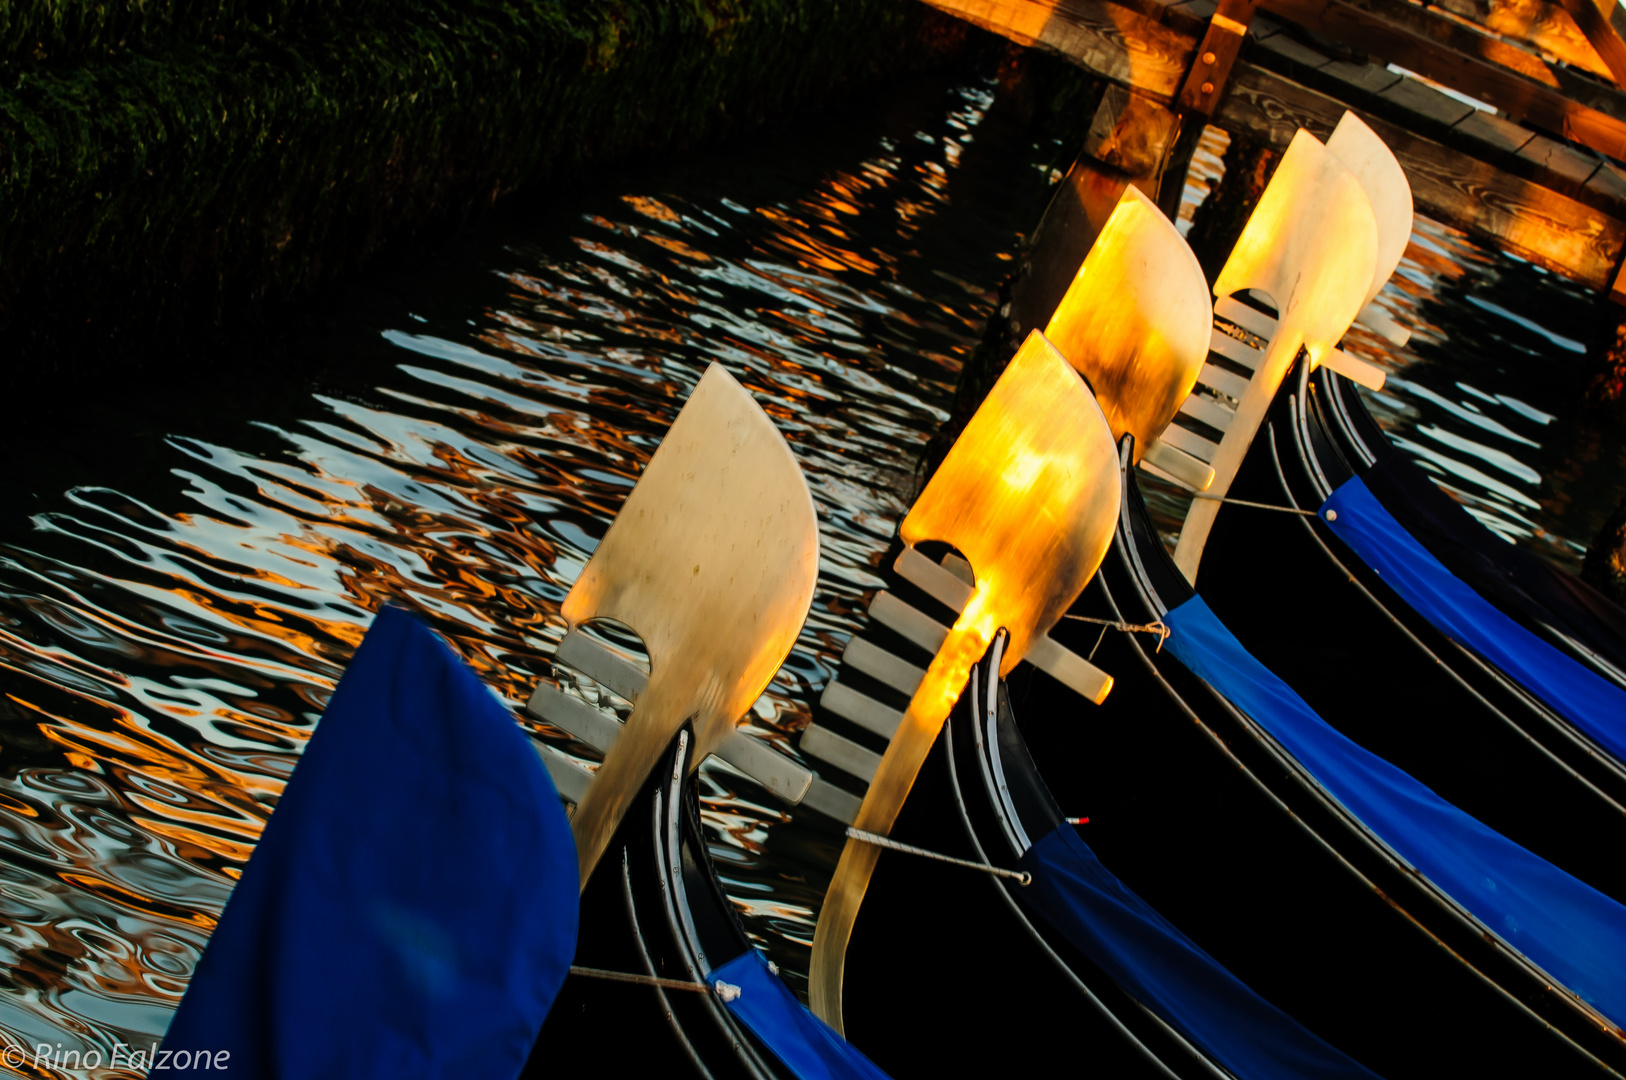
point(1029, 495)
point(712, 562)
point(1311, 247)
point(1136, 320)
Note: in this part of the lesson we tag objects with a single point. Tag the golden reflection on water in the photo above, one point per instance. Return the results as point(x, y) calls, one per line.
point(165, 651)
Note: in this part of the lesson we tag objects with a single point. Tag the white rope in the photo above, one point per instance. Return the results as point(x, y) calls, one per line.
point(1255, 505)
point(726, 991)
point(1156, 627)
point(1022, 877)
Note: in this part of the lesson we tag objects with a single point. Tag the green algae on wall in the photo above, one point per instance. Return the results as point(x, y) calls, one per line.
point(166, 163)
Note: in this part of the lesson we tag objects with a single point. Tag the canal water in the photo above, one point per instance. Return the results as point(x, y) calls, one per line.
point(183, 574)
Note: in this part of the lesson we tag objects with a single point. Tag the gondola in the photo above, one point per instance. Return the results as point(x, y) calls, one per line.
point(653, 902)
point(654, 913)
point(1198, 813)
point(1427, 704)
point(1320, 857)
point(662, 914)
point(1565, 611)
point(664, 969)
point(1338, 442)
point(1487, 982)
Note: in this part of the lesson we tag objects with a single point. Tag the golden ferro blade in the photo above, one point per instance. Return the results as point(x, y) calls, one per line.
point(712, 561)
point(1384, 181)
point(1136, 320)
point(1310, 246)
point(1029, 495)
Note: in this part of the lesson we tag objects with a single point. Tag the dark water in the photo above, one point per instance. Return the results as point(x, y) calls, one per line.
point(183, 574)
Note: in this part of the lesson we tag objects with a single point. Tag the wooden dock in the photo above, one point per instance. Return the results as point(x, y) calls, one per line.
point(1540, 176)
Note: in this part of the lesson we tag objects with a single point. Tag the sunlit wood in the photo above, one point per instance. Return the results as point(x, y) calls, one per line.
point(712, 561)
point(1029, 495)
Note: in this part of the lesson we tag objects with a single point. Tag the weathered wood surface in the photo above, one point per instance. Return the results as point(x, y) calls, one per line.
point(1484, 68)
point(1536, 24)
point(1470, 176)
point(1109, 40)
point(1535, 222)
point(1602, 22)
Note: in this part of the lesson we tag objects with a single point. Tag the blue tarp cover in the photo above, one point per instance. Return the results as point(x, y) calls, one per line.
point(1144, 953)
point(805, 1044)
point(410, 910)
point(1579, 694)
point(1576, 933)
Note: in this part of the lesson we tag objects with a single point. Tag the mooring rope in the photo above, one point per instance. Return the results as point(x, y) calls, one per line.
point(726, 991)
point(1021, 877)
point(1255, 505)
point(1156, 627)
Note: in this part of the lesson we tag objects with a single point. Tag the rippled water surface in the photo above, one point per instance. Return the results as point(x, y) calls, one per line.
point(178, 602)
point(183, 578)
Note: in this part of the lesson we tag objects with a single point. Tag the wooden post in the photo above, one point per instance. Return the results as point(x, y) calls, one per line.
point(1200, 94)
point(1131, 133)
point(1211, 69)
point(1145, 142)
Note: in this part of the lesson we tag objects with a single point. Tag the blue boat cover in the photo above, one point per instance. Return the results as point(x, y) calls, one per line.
point(1144, 953)
point(1519, 582)
point(1579, 694)
point(806, 1045)
point(410, 910)
point(1576, 933)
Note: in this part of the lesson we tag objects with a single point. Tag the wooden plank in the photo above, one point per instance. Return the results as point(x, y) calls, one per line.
point(1608, 182)
point(1535, 100)
point(1488, 137)
point(1112, 41)
point(1535, 222)
point(1538, 223)
point(1460, 36)
point(1562, 167)
point(1429, 105)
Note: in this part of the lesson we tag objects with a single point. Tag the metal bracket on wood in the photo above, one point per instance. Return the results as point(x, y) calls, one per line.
point(1211, 67)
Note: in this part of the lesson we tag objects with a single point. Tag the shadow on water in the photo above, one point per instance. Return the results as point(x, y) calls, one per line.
point(184, 570)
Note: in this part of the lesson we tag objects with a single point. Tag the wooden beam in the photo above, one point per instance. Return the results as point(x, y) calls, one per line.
point(1535, 222)
point(1106, 39)
point(1602, 22)
point(1521, 97)
point(1463, 36)
point(1539, 223)
point(1543, 26)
